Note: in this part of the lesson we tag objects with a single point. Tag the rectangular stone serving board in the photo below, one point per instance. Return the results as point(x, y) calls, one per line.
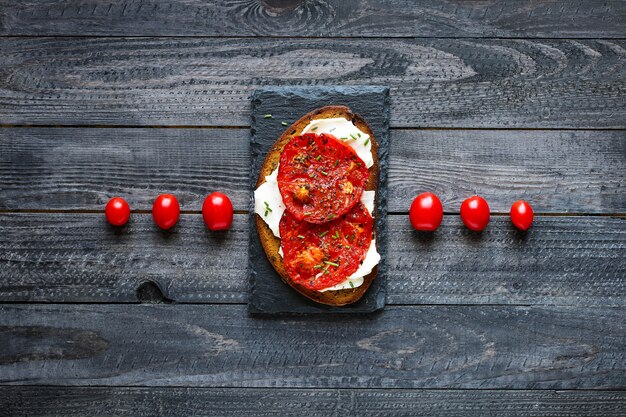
point(268, 294)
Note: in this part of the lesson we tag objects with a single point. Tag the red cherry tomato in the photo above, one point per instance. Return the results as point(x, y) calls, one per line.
point(475, 213)
point(117, 211)
point(426, 212)
point(522, 215)
point(165, 211)
point(217, 211)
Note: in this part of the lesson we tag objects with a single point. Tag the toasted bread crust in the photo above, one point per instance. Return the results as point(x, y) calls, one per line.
point(271, 243)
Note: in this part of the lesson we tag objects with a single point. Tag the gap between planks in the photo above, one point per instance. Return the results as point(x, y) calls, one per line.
point(320, 37)
point(453, 128)
point(246, 212)
point(196, 388)
point(287, 315)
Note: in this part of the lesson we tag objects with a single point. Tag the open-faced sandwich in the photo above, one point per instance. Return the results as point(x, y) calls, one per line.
point(315, 206)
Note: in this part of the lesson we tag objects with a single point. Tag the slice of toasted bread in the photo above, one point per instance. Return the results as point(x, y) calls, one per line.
point(271, 243)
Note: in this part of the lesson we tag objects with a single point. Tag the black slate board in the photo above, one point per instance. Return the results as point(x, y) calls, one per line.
point(268, 294)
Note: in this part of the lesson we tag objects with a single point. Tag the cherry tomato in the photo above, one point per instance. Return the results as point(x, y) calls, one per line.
point(426, 212)
point(165, 211)
point(475, 213)
point(217, 211)
point(522, 214)
point(117, 211)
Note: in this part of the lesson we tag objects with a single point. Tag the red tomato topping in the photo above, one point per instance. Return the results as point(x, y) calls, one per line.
point(320, 178)
point(319, 256)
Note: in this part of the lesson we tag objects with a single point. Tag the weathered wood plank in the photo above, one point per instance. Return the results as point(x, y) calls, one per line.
point(68, 257)
point(82, 258)
point(561, 260)
point(402, 347)
point(558, 171)
point(81, 168)
point(260, 402)
point(378, 18)
point(434, 82)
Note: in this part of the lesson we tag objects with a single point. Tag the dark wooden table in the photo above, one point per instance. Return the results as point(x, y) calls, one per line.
point(502, 98)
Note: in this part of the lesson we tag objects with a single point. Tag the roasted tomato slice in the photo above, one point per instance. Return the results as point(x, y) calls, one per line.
point(320, 178)
point(319, 256)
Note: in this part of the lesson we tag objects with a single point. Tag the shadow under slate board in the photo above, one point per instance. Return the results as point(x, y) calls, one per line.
point(268, 293)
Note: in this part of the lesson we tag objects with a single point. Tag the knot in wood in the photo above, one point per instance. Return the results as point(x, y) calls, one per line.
point(278, 6)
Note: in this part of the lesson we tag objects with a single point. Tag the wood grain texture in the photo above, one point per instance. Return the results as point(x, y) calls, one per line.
point(557, 171)
point(402, 347)
point(81, 168)
point(377, 18)
point(81, 258)
point(494, 83)
point(67, 257)
point(262, 402)
point(558, 261)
